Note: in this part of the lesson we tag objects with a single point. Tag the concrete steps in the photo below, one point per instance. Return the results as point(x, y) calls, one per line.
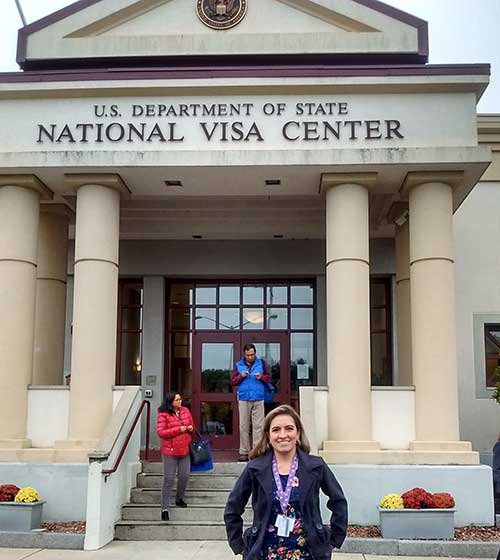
point(170, 531)
point(206, 497)
point(147, 512)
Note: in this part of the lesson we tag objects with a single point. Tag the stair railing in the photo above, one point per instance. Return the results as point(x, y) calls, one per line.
point(145, 404)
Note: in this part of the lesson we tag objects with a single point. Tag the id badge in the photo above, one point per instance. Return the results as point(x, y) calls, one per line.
point(284, 525)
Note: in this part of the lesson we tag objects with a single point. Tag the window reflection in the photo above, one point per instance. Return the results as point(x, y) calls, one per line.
point(277, 318)
point(253, 319)
point(253, 295)
point(216, 367)
point(229, 295)
point(301, 295)
point(206, 295)
point(301, 360)
point(205, 318)
point(277, 295)
point(216, 418)
point(229, 318)
point(301, 318)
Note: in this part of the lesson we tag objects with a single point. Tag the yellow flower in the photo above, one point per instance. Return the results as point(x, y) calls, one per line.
point(392, 501)
point(27, 495)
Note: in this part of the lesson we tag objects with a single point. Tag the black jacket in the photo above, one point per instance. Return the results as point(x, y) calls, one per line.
point(257, 480)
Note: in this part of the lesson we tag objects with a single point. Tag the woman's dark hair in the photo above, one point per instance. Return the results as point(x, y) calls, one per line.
point(166, 405)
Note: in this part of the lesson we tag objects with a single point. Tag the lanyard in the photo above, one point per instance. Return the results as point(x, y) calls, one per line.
point(284, 495)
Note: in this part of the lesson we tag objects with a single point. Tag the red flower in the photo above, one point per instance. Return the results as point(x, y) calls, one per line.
point(443, 500)
point(417, 498)
point(8, 492)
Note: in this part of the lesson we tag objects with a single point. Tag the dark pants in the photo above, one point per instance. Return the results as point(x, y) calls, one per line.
point(171, 465)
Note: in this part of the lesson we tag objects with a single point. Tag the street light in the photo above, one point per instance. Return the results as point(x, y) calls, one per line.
point(253, 320)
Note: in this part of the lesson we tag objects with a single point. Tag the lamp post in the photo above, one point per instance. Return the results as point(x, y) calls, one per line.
point(233, 327)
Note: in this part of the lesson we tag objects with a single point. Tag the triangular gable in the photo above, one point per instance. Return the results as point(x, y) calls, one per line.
point(90, 31)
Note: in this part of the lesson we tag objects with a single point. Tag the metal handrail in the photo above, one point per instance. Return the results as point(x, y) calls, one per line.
point(144, 404)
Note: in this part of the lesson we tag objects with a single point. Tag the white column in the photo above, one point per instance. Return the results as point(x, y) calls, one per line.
point(48, 355)
point(94, 307)
point(433, 308)
point(348, 311)
point(403, 303)
point(19, 217)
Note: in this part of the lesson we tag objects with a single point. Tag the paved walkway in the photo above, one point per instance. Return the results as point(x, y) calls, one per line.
point(158, 550)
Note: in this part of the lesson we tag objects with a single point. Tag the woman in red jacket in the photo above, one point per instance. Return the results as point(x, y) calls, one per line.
point(174, 428)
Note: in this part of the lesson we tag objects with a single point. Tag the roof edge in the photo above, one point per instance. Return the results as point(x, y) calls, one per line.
point(420, 57)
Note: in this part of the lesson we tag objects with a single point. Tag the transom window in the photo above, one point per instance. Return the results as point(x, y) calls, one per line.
point(234, 306)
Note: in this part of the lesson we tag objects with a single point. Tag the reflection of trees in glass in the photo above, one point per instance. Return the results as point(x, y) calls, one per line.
point(216, 381)
point(216, 418)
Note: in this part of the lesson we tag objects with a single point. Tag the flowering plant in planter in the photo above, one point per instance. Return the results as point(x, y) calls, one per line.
point(20, 509)
point(27, 495)
point(417, 514)
point(392, 501)
point(8, 492)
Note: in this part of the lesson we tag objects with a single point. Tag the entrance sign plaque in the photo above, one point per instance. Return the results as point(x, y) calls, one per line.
point(221, 14)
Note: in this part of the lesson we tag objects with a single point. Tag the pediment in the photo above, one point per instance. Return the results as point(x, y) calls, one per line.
point(136, 30)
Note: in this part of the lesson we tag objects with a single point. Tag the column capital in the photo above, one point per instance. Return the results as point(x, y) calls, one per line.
point(416, 178)
point(31, 182)
point(329, 180)
point(109, 180)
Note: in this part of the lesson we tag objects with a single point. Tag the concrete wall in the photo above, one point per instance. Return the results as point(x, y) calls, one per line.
point(365, 485)
point(477, 234)
point(62, 485)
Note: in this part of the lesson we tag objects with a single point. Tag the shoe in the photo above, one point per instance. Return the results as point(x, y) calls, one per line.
point(242, 458)
point(165, 515)
point(181, 503)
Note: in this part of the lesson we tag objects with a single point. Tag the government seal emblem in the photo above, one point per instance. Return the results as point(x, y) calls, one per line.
point(221, 14)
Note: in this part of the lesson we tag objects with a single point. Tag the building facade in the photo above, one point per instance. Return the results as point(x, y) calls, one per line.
point(180, 178)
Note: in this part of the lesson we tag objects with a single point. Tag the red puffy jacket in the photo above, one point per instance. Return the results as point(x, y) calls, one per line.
point(174, 442)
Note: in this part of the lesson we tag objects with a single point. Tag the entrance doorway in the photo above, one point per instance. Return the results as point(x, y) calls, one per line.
point(208, 323)
point(214, 401)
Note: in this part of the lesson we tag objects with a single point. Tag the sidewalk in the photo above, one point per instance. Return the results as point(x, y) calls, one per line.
point(158, 550)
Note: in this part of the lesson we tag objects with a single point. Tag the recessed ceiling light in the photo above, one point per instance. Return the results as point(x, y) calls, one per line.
point(278, 236)
point(173, 183)
point(273, 182)
point(197, 237)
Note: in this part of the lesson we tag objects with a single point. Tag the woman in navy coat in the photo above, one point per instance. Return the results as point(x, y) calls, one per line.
point(284, 482)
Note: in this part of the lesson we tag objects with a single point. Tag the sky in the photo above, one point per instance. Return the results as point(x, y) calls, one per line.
point(460, 31)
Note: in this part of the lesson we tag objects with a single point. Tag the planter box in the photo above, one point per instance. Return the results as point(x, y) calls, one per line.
point(20, 517)
point(417, 523)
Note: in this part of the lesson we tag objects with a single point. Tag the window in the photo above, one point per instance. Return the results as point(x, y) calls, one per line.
point(129, 340)
point(381, 331)
point(492, 352)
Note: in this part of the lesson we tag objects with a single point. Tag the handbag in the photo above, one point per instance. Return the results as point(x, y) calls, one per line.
point(269, 391)
point(199, 450)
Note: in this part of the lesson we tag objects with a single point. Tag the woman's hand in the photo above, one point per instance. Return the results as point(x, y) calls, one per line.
point(184, 428)
point(190, 428)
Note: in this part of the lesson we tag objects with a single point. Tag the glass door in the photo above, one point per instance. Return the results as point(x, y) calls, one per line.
point(214, 405)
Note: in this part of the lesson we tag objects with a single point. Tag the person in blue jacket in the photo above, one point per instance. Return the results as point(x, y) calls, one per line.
point(250, 375)
point(284, 482)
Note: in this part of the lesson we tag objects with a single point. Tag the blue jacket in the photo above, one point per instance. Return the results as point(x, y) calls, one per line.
point(256, 481)
point(250, 388)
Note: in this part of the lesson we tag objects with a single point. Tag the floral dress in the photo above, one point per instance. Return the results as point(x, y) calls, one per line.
point(293, 547)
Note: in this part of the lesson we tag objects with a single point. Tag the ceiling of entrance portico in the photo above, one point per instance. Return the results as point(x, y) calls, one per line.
point(230, 203)
point(93, 29)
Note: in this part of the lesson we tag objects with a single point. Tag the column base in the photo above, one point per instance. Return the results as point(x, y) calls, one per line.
point(440, 446)
point(44, 455)
point(400, 457)
point(347, 446)
point(15, 443)
point(87, 444)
